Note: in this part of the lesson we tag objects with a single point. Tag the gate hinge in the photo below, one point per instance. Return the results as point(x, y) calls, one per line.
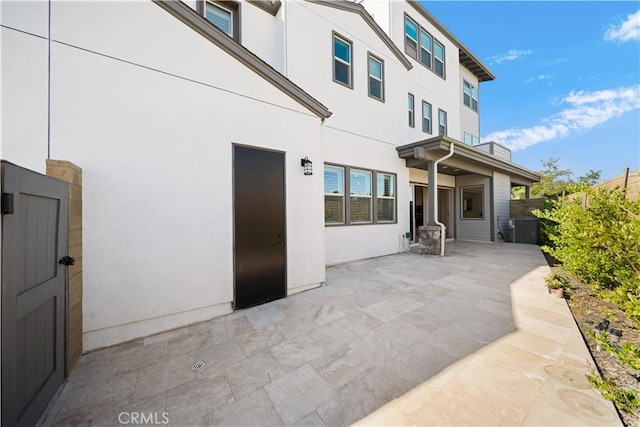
point(6, 203)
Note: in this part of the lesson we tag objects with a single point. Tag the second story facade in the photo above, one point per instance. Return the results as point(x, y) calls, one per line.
point(387, 69)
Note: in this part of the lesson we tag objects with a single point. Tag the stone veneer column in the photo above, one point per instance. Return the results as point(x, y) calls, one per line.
point(429, 239)
point(68, 172)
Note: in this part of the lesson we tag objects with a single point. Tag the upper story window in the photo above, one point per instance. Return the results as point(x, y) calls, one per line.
point(376, 78)
point(426, 47)
point(438, 59)
point(471, 139)
point(411, 109)
point(426, 117)
point(421, 46)
point(442, 123)
point(470, 96)
point(222, 14)
point(342, 58)
point(410, 37)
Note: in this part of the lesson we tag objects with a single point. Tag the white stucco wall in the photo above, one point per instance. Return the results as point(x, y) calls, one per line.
point(474, 229)
point(424, 84)
point(155, 144)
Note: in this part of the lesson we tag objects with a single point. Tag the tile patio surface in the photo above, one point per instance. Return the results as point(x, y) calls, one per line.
point(470, 339)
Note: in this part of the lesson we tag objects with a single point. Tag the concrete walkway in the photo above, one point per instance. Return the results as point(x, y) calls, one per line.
point(470, 339)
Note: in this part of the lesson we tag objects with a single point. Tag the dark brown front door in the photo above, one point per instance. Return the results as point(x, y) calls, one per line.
point(259, 226)
point(34, 238)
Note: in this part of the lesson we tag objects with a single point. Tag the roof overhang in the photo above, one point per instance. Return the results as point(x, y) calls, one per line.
point(467, 58)
point(466, 159)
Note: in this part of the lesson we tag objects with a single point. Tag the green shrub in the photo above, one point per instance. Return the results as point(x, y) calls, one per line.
point(599, 243)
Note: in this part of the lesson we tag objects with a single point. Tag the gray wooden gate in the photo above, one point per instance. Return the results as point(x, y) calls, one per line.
point(34, 238)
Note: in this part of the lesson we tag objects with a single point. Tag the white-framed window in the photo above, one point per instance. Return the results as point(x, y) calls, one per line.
point(426, 43)
point(438, 58)
point(470, 95)
point(342, 57)
point(442, 123)
point(385, 197)
point(376, 78)
point(410, 37)
point(470, 139)
point(472, 203)
point(411, 109)
point(371, 198)
point(333, 195)
point(222, 14)
point(426, 117)
point(359, 196)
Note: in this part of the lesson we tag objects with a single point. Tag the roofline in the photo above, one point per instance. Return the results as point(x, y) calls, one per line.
point(467, 58)
point(469, 153)
point(359, 9)
point(200, 25)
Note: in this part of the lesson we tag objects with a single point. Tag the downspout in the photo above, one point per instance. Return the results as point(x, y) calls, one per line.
point(435, 199)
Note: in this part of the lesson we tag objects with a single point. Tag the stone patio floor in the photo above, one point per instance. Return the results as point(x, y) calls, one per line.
point(469, 339)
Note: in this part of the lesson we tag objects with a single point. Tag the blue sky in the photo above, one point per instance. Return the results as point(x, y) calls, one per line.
point(568, 79)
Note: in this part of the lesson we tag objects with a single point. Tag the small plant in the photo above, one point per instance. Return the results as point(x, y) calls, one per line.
point(625, 400)
point(556, 281)
point(628, 354)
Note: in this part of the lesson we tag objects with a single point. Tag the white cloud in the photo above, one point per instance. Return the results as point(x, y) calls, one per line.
point(511, 55)
point(627, 31)
point(540, 77)
point(585, 110)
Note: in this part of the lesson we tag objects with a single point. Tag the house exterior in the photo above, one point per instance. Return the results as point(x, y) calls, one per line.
point(176, 113)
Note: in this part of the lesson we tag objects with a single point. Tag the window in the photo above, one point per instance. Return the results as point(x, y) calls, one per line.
point(412, 115)
point(333, 195)
point(471, 139)
point(222, 14)
point(342, 72)
point(385, 198)
point(421, 46)
point(442, 123)
point(360, 196)
point(425, 48)
point(376, 78)
point(438, 59)
point(426, 117)
point(472, 202)
point(372, 196)
point(470, 97)
point(410, 37)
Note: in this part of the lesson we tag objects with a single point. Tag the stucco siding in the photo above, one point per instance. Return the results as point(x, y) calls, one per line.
point(154, 137)
point(473, 229)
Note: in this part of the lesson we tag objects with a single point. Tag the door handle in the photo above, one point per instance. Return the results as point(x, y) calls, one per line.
point(278, 244)
point(67, 261)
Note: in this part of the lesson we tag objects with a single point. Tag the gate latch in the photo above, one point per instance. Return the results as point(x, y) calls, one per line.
point(67, 261)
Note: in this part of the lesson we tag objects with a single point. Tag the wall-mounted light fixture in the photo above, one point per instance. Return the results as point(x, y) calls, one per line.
point(307, 165)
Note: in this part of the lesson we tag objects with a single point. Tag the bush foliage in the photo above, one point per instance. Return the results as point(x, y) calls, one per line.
point(599, 243)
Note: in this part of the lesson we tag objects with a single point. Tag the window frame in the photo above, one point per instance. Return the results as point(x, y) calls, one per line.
point(361, 196)
point(371, 56)
point(472, 90)
point(441, 112)
point(374, 196)
point(430, 118)
point(334, 36)
point(342, 194)
point(464, 205)
point(228, 6)
point(418, 42)
point(474, 139)
point(411, 110)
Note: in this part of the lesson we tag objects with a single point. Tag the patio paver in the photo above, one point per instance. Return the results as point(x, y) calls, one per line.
point(469, 339)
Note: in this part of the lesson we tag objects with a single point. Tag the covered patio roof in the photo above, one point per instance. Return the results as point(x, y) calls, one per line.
point(466, 159)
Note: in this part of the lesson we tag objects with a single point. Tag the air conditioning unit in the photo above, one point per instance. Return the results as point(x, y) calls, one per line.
point(525, 230)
